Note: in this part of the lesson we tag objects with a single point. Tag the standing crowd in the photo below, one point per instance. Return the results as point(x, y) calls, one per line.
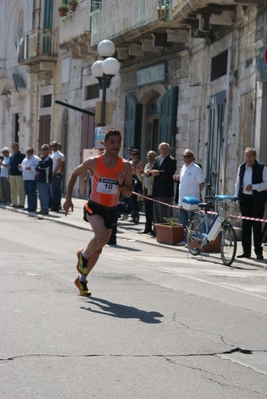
point(23, 174)
point(111, 176)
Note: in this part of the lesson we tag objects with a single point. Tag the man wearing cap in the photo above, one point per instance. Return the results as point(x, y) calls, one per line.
point(15, 177)
point(4, 180)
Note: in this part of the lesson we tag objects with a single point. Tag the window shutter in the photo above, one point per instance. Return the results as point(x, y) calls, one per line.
point(133, 124)
point(48, 14)
point(167, 118)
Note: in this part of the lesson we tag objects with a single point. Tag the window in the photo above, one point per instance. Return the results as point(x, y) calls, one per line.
point(219, 65)
point(91, 92)
point(95, 5)
point(46, 101)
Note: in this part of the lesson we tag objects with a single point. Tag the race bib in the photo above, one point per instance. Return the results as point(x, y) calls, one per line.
point(107, 186)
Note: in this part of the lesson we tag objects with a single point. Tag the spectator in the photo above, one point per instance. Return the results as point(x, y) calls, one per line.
point(1, 191)
point(129, 152)
point(15, 178)
point(163, 186)
point(43, 177)
point(59, 146)
point(27, 167)
point(4, 181)
point(147, 179)
point(55, 186)
point(137, 167)
point(251, 190)
point(191, 180)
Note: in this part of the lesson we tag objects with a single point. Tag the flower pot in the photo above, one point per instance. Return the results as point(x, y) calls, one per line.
point(62, 13)
point(214, 246)
point(73, 6)
point(169, 234)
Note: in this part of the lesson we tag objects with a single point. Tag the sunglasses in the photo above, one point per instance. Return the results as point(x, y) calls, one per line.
point(134, 154)
point(187, 156)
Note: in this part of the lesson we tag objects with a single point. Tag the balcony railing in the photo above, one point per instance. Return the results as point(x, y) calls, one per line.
point(182, 7)
point(76, 24)
point(125, 16)
point(37, 45)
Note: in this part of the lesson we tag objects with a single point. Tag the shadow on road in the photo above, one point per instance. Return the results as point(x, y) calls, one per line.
point(122, 311)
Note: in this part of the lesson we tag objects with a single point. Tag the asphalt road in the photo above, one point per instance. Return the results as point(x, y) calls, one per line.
point(159, 323)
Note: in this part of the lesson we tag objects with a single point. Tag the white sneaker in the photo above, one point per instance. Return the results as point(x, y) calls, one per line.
point(181, 244)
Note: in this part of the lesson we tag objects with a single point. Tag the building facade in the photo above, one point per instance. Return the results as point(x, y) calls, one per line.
point(192, 73)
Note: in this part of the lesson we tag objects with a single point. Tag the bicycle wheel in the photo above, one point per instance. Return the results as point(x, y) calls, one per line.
point(228, 244)
point(194, 235)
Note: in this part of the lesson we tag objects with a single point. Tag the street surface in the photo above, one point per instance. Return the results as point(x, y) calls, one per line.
point(159, 324)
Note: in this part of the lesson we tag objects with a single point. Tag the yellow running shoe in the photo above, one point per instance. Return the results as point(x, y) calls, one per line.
point(82, 287)
point(82, 264)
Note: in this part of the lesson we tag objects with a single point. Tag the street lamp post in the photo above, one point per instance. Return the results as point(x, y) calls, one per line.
point(104, 71)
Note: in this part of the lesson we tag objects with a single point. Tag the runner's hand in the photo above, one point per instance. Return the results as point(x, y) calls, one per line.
point(68, 205)
point(121, 177)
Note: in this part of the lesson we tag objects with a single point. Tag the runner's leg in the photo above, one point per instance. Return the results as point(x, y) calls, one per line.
point(94, 247)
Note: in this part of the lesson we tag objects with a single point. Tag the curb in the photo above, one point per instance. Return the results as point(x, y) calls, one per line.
point(262, 264)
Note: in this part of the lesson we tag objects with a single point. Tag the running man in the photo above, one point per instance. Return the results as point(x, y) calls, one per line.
point(110, 174)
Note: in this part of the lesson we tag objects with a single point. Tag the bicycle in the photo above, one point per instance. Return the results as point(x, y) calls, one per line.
point(199, 233)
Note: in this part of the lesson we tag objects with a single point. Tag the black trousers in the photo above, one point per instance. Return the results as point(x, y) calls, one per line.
point(248, 208)
point(148, 214)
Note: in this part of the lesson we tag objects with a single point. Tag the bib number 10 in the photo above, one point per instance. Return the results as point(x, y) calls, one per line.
point(107, 186)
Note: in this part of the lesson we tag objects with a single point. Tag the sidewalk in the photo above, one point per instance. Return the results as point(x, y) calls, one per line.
point(126, 230)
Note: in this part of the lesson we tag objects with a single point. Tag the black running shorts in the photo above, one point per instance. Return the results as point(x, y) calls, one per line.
point(109, 215)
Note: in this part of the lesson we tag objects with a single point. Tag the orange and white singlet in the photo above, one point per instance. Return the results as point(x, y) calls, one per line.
point(105, 189)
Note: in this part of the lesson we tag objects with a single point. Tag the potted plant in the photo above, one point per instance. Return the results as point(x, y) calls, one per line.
point(62, 10)
point(169, 232)
point(73, 4)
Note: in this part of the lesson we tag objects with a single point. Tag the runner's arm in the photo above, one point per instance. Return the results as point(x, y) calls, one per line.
point(125, 179)
point(88, 164)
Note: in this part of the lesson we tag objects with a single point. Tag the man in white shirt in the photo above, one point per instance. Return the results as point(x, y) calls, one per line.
point(4, 180)
point(55, 186)
point(27, 167)
point(191, 179)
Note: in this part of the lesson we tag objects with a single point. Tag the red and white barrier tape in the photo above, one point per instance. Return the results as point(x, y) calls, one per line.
point(209, 212)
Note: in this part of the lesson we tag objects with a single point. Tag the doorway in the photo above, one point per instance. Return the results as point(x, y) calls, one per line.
point(152, 125)
point(215, 139)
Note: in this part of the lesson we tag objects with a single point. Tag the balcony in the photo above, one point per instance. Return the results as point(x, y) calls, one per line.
point(38, 49)
point(204, 17)
point(137, 27)
point(74, 30)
